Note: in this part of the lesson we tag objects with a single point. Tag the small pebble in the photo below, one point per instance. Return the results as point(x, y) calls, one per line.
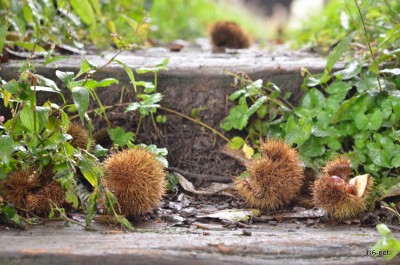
point(246, 232)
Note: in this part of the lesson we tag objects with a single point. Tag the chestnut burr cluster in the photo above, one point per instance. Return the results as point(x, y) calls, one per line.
point(275, 180)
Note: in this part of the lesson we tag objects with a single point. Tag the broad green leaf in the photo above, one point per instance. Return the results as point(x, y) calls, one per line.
point(395, 161)
point(90, 168)
point(313, 147)
point(80, 96)
point(376, 120)
point(236, 142)
point(85, 11)
point(66, 77)
point(338, 51)
point(3, 32)
point(100, 151)
point(43, 81)
point(7, 146)
point(30, 46)
point(352, 69)
point(12, 86)
point(128, 72)
point(313, 99)
point(379, 156)
point(296, 133)
point(120, 137)
point(338, 88)
point(362, 121)
point(237, 118)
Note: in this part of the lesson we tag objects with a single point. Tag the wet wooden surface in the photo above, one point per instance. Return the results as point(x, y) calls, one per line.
point(55, 243)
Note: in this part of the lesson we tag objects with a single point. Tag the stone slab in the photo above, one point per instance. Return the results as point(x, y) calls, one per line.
point(286, 243)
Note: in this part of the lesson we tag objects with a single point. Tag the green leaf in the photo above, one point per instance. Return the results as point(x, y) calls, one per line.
point(71, 198)
point(120, 137)
point(7, 146)
point(147, 105)
point(66, 77)
point(376, 120)
point(85, 11)
point(149, 87)
point(236, 119)
point(395, 162)
point(352, 69)
point(338, 88)
point(128, 72)
point(313, 147)
point(90, 168)
point(361, 121)
point(296, 133)
point(85, 67)
point(259, 102)
point(313, 99)
point(387, 244)
point(338, 51)
point(100, 151)
point(236, 142)
point(43, 81)
point(3, 32)
point(80, 96)
point(379, 156)
point(156, 68)
point(237, 94)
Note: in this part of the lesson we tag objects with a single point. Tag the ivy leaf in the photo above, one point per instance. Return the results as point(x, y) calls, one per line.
point(379, 156)
point(80, 96)
point(295, 133)
point(120, 137)
point(312, 147)
point(395, 162)
point(313, 99)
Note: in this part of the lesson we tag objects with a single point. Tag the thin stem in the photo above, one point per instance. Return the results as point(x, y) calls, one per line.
point(197, 122)
point(369, 46)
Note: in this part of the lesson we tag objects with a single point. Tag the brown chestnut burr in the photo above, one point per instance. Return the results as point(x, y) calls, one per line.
point(340, 198)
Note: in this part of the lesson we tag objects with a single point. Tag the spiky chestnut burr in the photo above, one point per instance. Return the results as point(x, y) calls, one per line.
point(341, 167)
point(31, 191)
point(229, 34)
point(136, 178)
point(274, 180)
point(340, 197)
point(80, 136)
